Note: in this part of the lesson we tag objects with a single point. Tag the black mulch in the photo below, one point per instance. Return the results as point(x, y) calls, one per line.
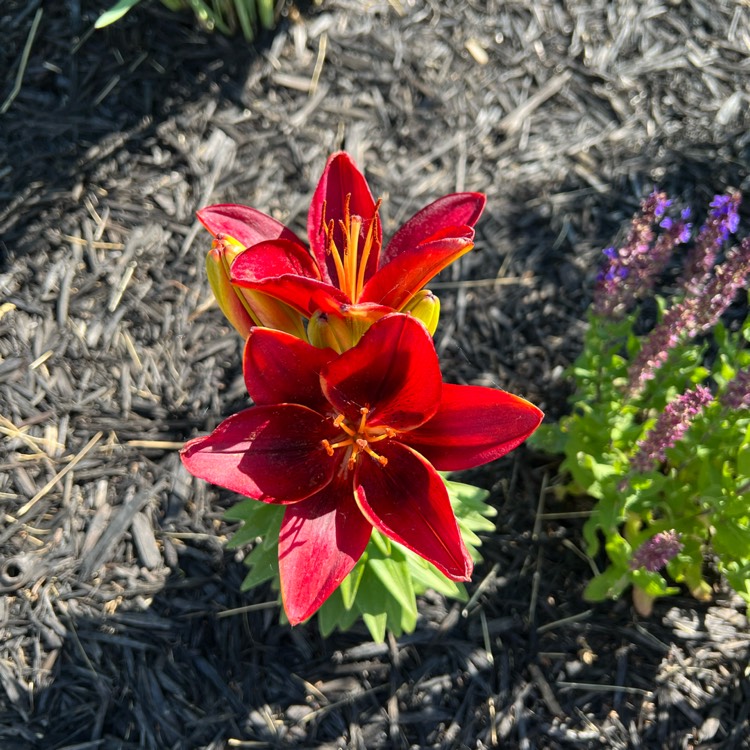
point(121, 621)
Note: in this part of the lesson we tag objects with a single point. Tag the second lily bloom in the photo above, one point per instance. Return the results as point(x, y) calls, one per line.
point(345, 272)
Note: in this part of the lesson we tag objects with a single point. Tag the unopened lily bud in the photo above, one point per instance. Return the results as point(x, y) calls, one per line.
point(245, 308)
point(330, 331)
point(230, 300)
point(425, 306)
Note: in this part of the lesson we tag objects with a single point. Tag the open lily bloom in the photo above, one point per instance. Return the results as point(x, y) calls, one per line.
point(353, 441)
point(345, 271)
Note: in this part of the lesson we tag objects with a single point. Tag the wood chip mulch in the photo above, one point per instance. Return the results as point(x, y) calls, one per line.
point(121, 621)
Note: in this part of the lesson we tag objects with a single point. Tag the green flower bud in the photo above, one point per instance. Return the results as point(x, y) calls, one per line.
point(425, 306)
point(245, 308)
point(330, 331)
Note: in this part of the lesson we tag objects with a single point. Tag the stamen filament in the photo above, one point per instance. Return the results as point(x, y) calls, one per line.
point(384, 436)
point(342, 443)
point(339, 422)
point(382, 460)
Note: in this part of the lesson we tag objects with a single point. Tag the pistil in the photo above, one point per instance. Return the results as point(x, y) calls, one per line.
point(351, 266)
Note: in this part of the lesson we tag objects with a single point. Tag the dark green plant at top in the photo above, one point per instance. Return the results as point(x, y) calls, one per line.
point(226, 16)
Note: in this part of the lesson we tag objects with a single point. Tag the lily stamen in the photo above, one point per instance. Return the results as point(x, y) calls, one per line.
point(388, 434)
point(357, 440)
point(382, 460)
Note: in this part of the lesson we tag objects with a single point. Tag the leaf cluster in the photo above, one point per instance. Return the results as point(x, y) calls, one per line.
point(384, 585)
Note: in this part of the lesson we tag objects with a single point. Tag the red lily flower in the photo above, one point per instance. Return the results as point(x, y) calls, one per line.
point(344, 270)
point(350, 442)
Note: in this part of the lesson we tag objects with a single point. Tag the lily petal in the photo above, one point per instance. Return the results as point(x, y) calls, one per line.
point(339, 179)
point(449, 211)
point(406, 499)
point(474, 425)
point(271, 453)
point(396, 282)
point(280, 368)
point(320, 541)
point(284, 270)
point(244, 224)
point(393, 371)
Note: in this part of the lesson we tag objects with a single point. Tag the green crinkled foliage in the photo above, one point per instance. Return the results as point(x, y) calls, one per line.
point(383, 587)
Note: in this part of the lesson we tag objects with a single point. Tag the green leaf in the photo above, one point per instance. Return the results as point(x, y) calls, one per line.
point(265, 12)
point(264, 566)
point(590, 533)
point(618, 550)
point(427, 576)
point(376, 624)
point(743, 456)
point(243, 535)
point(383, 586)
point(394, 575)
point(548, 438)
point(371, 603)
point(466, 496)
point(330, 613)
point(259, 520)
point(607, 585)
point(653, 583)
point(350, 584)
point(115, 13)
point(248, 18)
point(731, 538)
point(380, 543)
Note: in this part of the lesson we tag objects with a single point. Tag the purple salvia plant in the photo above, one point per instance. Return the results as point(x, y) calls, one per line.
point(737, 393)
point(671, 425)
point(723, 220)
point(696, 313)
point(656, 552)
point(618, 284)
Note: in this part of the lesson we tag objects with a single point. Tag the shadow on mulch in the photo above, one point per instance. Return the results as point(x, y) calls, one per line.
point(196, 664)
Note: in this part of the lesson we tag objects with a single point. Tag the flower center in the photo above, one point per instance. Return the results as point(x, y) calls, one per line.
point(357, 437)
point(351, 264)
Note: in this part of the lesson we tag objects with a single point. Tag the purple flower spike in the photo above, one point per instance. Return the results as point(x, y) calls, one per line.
point(631, 270)
point(737, 394)
point(656, 552)
point(662, 203)
point(697, 313)
point(723, 220)
point(671, 425)
point(725, 210)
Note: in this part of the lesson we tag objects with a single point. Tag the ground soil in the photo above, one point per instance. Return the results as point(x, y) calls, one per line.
point(122, 624)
